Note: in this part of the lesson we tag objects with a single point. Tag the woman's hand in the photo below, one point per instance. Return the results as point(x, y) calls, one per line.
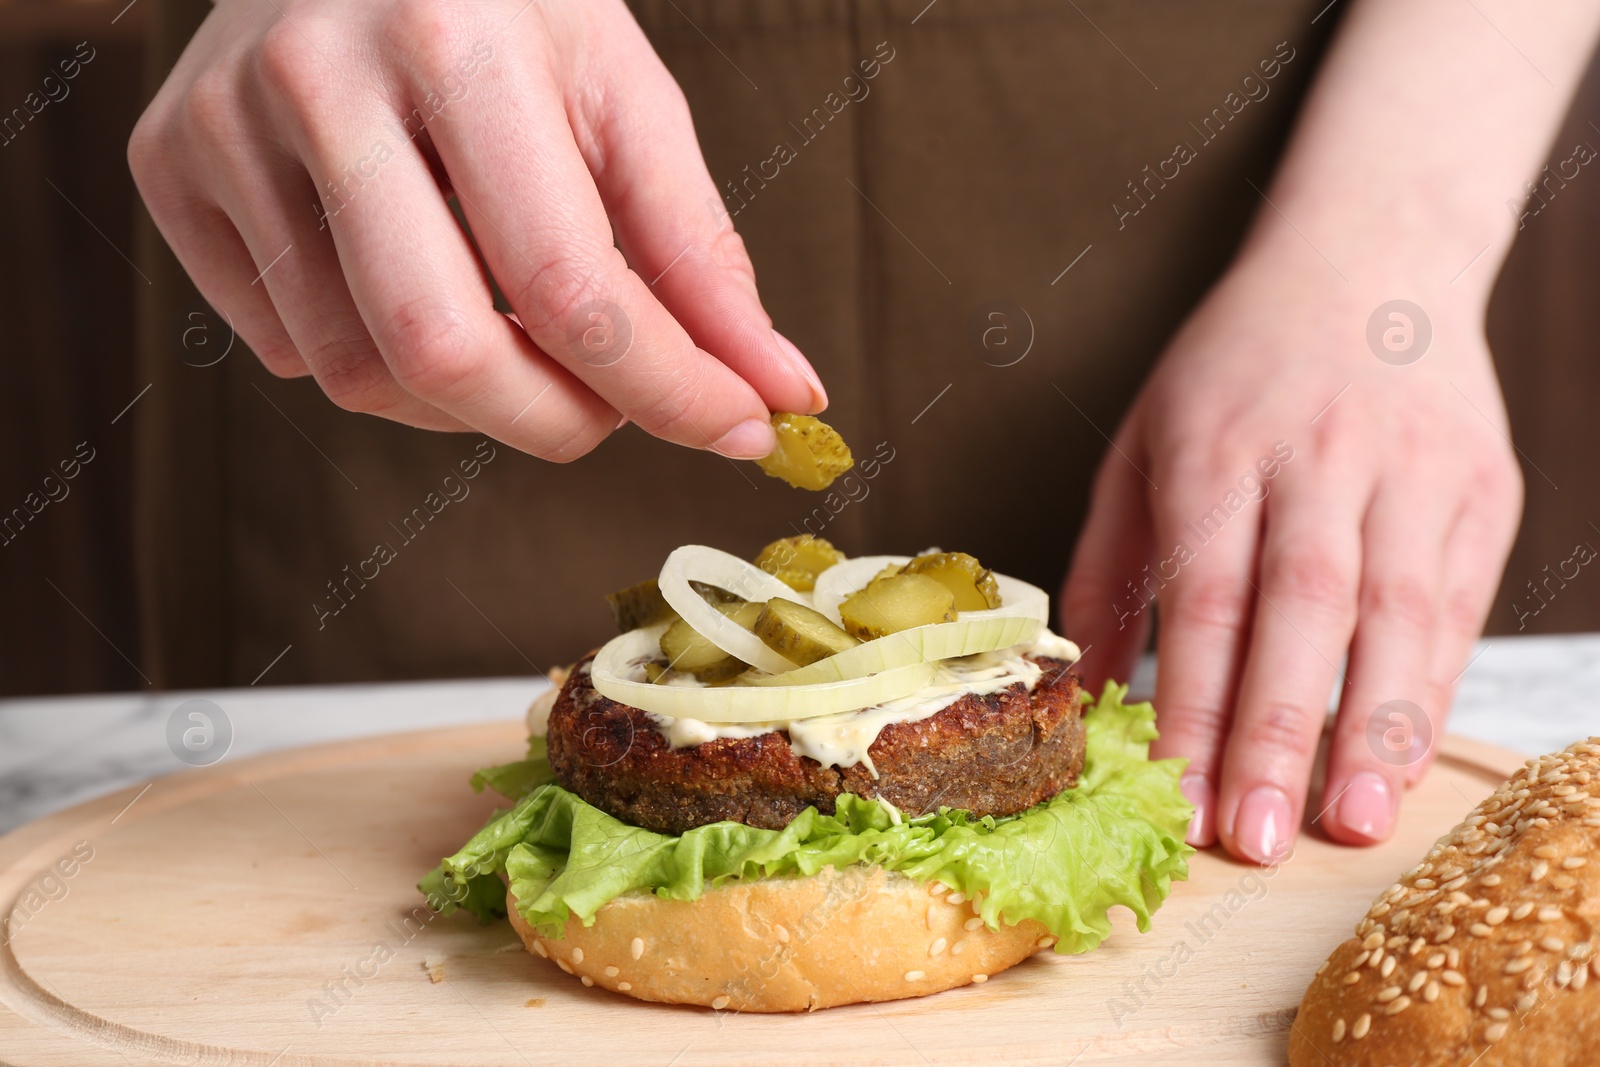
point(1290, 492)
point(299, 159)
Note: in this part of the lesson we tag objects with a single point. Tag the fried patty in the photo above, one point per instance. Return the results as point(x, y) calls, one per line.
point(992, 755)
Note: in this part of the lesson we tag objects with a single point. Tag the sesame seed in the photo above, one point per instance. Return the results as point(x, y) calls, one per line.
point(1580, 950)
point(1417, 981)
point(1580, 977)
point(1524, 910)
point(1436, 961)
point(1553, 944)
point(623, 987)
point(1445, 933)
point(1352, 978)
point(1540, 869)
point(586, 980)
point(1430, 992)
point(1417, 945)
point(1398, 1006)
point(1495, 1031)
point(1490, 880)
point(1499, 1013)
point(564, 965)
point(980, 978)
point(1395, 942)
point(1455, 883)
point(781, 933)
point(933, 915)
point(577, 955)
point(1338, 1031)
point(1523, 948)
point(1549, 913)
point(719, 1003)
point(957, 898)
point(612, 972)
point(1526, 1002)
point(1518, 965)
point(1425, 883)
point(1455, 978)
point(1572, 863)
point(1373, 940)
point(1388, 966)
point(1363, 1024)
point(915, 976)
point(1496, 916)
point(1362, 958)
point(1388, 993)
point(1564, 973)
point(972, 923)
point(1482, 995)
point(959, 947)
point(939, 887)
point(1453, 957)
point(1563, 881)
point(1564, 790)
point(938, 946)
point(1479, 930)
point(1045, 942)
point(637, 948)
point(543, 953)
point(1545, 852)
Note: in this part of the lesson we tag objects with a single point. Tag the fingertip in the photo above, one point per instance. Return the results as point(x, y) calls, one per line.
point(750, 439)
point(1362, 810)
point(1263, 826)
point(1203, 824)
point(802, 366)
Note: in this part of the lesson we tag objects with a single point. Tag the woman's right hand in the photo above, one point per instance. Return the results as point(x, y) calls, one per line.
point(299, 159)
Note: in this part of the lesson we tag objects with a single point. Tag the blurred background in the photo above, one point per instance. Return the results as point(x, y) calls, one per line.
point(92, 310)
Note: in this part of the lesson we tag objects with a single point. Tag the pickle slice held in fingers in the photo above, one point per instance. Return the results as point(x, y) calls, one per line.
point(688, 651)
point(898, 602)
point(801, 634)
point(972, 583)
point(796, 561)
point(810, 453)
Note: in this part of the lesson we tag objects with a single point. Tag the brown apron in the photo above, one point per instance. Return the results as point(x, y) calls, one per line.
point(975, 216)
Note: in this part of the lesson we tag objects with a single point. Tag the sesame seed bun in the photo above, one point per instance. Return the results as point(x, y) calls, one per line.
point(788, 944)
point(1483, 953)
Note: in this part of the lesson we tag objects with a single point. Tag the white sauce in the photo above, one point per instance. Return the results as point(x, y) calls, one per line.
point(843, 740)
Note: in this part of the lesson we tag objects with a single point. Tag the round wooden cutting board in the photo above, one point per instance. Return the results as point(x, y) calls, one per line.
point(262, 914)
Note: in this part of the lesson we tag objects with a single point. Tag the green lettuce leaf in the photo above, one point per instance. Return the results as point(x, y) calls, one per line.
point(1114, 838)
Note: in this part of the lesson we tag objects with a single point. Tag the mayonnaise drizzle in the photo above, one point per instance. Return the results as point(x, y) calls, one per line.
point(843, 740)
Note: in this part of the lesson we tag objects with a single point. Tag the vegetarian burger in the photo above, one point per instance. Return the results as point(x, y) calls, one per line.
point(810, 780)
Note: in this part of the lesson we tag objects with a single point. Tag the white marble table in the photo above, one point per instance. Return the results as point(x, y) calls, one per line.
point(1532, 694)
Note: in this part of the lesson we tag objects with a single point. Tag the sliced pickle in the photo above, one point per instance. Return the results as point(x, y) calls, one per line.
point(798, 633)
point(899, 602)
point(796, 561)
point(972, 583)
point(810, 453)
point(655, 670)
point(688, 651)
point(714, 595)
point(745, 612)
point(639, 605)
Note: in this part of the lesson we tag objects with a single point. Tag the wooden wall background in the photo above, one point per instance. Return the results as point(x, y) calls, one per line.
point(71, 230)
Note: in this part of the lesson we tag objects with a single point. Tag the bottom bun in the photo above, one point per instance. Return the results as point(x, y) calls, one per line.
point(788, 944)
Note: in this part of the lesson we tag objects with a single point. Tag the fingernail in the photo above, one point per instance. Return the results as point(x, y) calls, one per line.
point(1367, 806)
point(1261, 827)
point(1197, 791)
point(751, 439)
point(819, 396)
